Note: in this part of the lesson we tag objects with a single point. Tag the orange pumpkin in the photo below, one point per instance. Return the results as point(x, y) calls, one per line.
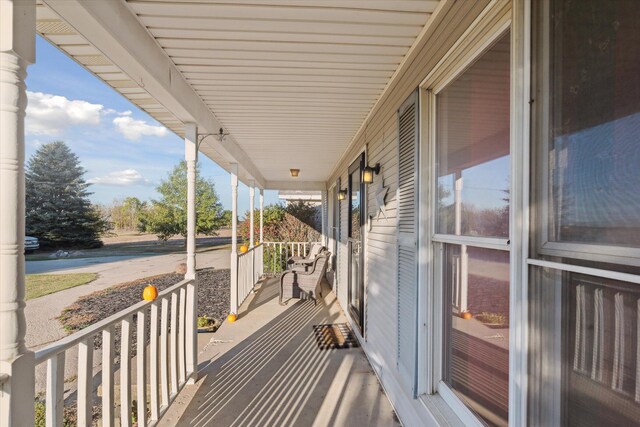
point(244, 248)
point(467, 315)
point(150, 293)
point(231, 318)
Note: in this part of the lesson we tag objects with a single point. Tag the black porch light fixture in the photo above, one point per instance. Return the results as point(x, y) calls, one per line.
point(342, 195)
point(368, 173)
point(294, 172)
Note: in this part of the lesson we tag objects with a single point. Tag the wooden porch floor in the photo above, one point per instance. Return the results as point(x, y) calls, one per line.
point(267, 370)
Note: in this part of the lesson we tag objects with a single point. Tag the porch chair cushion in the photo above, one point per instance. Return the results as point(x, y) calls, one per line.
point(299, 283)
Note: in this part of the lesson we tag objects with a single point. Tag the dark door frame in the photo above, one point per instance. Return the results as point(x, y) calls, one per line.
point(357, 313)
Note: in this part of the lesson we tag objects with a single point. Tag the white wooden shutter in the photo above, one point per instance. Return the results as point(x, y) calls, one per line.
point(407, 241)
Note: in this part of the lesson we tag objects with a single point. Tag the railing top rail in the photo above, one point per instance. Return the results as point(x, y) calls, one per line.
point(292, 243)
point(69, 341)
point(240, 254)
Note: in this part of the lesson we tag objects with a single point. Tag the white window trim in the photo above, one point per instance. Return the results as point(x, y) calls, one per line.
point(493, 22)
point(480, 242)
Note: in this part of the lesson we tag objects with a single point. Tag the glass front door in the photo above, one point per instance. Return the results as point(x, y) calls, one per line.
point(355, 242)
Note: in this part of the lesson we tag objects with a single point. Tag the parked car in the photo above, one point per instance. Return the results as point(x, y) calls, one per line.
point(31, 244)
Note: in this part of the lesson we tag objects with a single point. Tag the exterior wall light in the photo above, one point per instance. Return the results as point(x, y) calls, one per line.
point(294, 172)
point(368, 173)
point(342, 195)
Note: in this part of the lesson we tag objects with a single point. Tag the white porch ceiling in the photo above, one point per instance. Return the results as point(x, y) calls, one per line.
point(291, 80)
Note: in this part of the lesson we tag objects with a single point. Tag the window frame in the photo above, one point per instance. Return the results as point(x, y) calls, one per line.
point(439, 240)
point(555, 257)
point(493, 23)
point(541, 112)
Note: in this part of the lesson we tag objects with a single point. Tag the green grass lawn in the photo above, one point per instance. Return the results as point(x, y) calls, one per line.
point(43, 284)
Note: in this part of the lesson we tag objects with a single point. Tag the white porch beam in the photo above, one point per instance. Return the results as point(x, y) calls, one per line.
point(234, 239)
point(252, 201)
point(191, 157)
point(261, 215)
point(296, 185)
point(17, 365)
point(113, 29)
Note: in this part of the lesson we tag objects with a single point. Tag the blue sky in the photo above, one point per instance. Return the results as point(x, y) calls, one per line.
point(124, 150)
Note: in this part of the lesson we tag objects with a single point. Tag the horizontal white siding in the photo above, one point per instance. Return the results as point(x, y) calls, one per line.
point(379, 138)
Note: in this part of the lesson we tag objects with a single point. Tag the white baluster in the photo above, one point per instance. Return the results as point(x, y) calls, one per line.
point(164, 351)
point(182, 337)
point(141, 368)
point(125, 373)
point(85, 383)
point(55, 390)
point(153, 364)
point(174, 344)
point(107, 377)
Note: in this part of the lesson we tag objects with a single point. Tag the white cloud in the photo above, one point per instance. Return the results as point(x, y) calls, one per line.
point(121, 178)
point(109, 111)
point(51, 114)
point(133, 129)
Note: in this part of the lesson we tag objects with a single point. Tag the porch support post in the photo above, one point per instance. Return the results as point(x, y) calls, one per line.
point(323, 209)
point(252, 208)
point(191, 157)
point(234, 238)
point(17, 365)
point(261, 215)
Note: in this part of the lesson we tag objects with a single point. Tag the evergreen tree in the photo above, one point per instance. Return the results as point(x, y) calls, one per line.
point(58, 210)
point(168, 216)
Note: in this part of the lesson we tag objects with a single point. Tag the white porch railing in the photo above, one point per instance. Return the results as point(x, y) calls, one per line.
point(250, 270)
point(171, 360)
point(276, 254)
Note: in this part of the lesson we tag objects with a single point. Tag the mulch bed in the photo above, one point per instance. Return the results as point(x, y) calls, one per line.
point(213, 302)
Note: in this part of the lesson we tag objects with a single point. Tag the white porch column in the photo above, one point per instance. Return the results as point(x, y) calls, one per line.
point(323, 209)
point(234, 238)
point(252, 201)
point(261, 215)
point(17, 366)
point(191, 157)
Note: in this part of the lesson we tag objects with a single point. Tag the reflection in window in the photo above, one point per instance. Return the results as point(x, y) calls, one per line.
point(594, 153)
point(584, 330)
point(476, 284)
point(473, 148)
point(355, 204)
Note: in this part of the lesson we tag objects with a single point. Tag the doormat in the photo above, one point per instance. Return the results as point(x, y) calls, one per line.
point(334, 336)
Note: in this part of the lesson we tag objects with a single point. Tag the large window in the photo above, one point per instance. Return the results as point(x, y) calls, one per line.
point(593, 137)
point(584, 287)
point(472, 201)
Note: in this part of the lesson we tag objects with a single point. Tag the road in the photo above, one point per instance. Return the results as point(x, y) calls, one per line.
point(78, 264)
